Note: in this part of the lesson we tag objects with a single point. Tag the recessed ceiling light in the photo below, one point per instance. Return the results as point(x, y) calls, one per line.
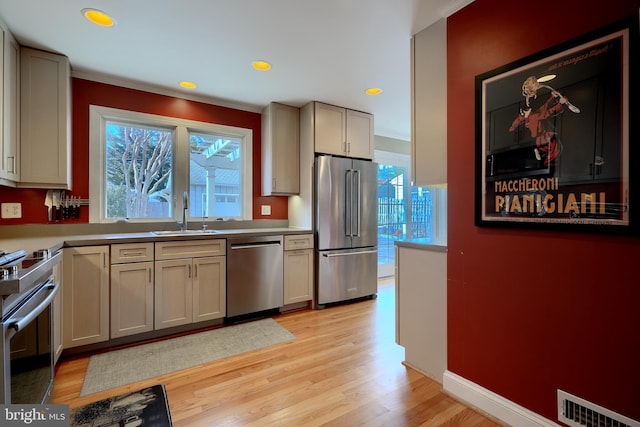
point(373, 91)
point(98, 17)
point(188, 85)
point(546, 78)
point(261, 65)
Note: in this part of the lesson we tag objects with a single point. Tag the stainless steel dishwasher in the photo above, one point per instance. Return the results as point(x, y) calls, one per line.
point(254, 274)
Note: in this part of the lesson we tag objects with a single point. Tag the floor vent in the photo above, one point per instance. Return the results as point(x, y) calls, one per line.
point(576, 412)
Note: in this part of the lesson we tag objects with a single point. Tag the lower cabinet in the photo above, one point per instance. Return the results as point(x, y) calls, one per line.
point(209, 288)
point(174, 293)
point(298, 268)
point(189, 290)
point(421, 308)
point(85, 295)
point(131, 298)
point(131, 289)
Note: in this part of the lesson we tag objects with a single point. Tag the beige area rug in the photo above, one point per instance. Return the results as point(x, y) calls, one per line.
point(129, 365)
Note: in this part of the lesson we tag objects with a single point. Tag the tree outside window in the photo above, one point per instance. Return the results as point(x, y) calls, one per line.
point(138, 171)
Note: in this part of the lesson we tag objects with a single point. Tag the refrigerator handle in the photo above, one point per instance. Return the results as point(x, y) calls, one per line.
point(358, 202)
point(348, 196)
point(340, 254)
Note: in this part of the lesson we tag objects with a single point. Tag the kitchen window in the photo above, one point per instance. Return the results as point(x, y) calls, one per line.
point(142, 164)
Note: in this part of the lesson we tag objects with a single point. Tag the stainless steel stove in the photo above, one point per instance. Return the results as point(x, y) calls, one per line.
point(27, 290)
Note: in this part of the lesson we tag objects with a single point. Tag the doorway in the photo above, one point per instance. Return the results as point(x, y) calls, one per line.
point(404, 212)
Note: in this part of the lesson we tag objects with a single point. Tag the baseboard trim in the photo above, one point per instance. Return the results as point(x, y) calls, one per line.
point(491, 403)
point(426, 374)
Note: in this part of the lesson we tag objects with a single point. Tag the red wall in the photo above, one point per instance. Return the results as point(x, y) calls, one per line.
point(85, 93)
point(533, 311)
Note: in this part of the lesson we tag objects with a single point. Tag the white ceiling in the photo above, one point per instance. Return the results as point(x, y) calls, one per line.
point(324, 50)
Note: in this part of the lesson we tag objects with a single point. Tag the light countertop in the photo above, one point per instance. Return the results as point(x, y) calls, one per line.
point(53, 243)
point(422, 244)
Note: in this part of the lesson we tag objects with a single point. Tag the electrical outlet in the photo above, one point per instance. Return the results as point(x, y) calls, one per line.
point(11, 210)
point(266, 209)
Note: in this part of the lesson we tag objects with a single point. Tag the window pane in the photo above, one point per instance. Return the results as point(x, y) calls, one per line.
point(421, 213)
point(138, 171)
point(215, 176)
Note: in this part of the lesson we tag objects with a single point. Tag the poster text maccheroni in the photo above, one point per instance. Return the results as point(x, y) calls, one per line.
point(541, 196)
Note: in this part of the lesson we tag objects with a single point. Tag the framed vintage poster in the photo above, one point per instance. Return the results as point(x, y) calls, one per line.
point(555, 133)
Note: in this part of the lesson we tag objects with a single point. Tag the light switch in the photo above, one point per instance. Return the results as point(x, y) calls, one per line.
point(11, 210)
point(266, 209)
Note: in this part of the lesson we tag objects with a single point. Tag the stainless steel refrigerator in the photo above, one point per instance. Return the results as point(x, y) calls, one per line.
point(346, 226)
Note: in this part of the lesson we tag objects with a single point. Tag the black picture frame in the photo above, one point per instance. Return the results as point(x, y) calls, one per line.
point(555, 154)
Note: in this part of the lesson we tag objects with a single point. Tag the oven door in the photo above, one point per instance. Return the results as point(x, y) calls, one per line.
point(27, 349)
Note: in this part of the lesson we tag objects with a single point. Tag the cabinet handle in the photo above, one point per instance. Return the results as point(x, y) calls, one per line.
point(104, 260)
point(150, 278)
point(132, 254)
point(196, 270)
point(12, 160)
point(189, 273)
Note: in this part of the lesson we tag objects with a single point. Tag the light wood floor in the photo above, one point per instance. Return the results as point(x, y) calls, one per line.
point(343, 369)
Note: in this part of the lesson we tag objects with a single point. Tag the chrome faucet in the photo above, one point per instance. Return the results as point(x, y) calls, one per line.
point(204, 212)
point(185, 205)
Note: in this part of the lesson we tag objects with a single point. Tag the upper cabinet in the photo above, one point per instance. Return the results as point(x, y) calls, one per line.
point(9, 117)
point(280, 150)
point(339, 131)
point(359, 134)
point(429, 105)
point(45, 117)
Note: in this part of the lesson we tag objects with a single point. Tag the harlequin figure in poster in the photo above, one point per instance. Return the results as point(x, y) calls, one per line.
point(548, 146)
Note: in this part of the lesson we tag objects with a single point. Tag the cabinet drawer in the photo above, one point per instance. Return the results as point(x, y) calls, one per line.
point(131, 252)
point(190, 249)
point(302, 241)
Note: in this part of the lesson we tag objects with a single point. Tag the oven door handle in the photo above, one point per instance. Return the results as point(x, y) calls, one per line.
point(27, 313)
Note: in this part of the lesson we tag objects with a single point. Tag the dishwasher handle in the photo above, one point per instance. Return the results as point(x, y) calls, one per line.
point(251, 245)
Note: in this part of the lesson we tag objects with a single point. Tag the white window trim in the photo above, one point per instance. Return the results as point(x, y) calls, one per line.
point(98, 116)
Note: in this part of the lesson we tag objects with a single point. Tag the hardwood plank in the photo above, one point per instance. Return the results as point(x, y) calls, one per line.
point(343, 369)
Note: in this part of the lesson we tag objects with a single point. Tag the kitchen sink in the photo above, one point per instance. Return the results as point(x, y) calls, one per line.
point(184, 232)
